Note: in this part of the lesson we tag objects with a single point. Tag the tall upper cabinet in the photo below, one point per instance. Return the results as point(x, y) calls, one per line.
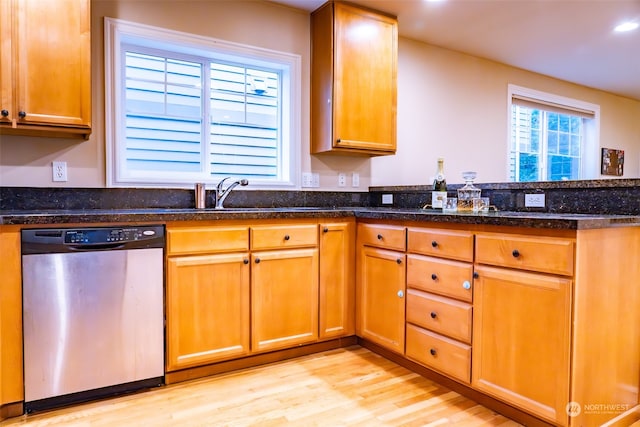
point(353, 80)
point(45, 67)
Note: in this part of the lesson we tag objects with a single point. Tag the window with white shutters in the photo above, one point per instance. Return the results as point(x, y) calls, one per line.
point(187, 110)
point(551, 138)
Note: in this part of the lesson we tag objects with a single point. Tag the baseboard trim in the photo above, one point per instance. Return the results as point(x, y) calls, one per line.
point(10, 410)
point(625, 419)
point(256, 360)
point(466, 391)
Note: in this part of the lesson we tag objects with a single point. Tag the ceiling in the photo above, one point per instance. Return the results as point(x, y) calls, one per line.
point(571, 40)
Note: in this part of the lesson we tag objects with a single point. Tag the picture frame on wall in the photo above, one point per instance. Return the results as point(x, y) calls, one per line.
point(612, 162)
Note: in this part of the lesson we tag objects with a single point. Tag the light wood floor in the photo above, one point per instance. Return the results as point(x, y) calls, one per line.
point(344, 387)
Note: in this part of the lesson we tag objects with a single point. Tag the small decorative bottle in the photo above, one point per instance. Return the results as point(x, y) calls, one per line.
point(467, 193)
point(439, 193)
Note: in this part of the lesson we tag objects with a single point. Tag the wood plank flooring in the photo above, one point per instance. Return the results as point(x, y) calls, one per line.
point(345, 387)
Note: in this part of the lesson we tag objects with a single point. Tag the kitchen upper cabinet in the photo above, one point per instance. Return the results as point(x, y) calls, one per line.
point(11, 382)
point(45, 68)
point(337, 279)
point(353, 80)
point(380, 281)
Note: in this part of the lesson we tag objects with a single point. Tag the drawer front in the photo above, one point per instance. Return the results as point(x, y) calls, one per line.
point(283, 236)
point(547, 255)
point(440, 353)
point(443, 315)
point(195, 240)
point(382, 236)
point(441, 276)
point(441, 243)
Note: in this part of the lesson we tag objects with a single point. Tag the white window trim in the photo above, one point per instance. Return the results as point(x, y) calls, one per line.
point(591, 148)
point(117, 31)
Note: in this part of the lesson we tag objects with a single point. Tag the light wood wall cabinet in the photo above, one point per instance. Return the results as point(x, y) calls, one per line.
point(207, 295)
point(45, 68)
point(337, 279)
point(439, 300)
point(11, 382)
point(353, 80)
point(380, 281)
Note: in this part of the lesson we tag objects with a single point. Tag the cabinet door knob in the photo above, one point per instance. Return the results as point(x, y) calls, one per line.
point(287, 237)
point(246, 261)
point(4, 113)
point(257, 260)
point(400, 294)
point(515, 253)
point(434, 276)
point(379, 236)
point(475, 275)
point(433, 314)
point(433, 352)
point(399, 261)
point(325, 230)
point(434, 243)
point(22, 114)
point(466, 284)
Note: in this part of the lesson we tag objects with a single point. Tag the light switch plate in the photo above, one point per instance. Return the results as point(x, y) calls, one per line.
point(536, 200)
point(387, 199)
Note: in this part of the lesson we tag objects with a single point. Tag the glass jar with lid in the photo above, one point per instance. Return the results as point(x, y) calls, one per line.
point(467, 193)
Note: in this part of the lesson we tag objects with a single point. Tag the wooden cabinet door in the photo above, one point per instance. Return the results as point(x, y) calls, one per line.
point(207, 309)
point(284, 298)
point(337, 287)
point(6, 61)
point(380, 313)
point(365, 80)
point(53, 62)
point(521, 340)
point(11, 381)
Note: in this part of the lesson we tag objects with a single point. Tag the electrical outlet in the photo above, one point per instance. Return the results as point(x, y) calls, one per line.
point(59, 171)
point(315, 180)
point(536, 200)
point(387, 199)
point(342, 179)
point(355, 179)
point(307, 179)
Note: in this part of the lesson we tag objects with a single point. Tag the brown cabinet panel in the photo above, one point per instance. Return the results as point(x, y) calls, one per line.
point(443, 315)
point(441, 243)
point(199, 240)
point(440, 353)
point(382, 236)
point(285, 236)
point(440, 276)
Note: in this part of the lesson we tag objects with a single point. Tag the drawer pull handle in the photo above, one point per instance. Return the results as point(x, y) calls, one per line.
point(399, 261)
point(433, 352)
point(400, 294)
point(379, 236)
point(434, 276)
point(246, 261)
point(22, 114)
point(287, 237)
point(257, 260)
point(434, 243)
point(326, 229)
point(434, 314)
point(466, 284)
point(4, 113)
point(515, 253)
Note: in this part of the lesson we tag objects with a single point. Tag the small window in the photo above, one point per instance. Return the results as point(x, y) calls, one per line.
point(182, 109)
point(551, 138)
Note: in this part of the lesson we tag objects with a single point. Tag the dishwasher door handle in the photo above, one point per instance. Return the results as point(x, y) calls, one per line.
point(97, 247)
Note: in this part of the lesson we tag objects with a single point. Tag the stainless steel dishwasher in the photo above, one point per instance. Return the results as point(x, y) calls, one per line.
point(93, 312)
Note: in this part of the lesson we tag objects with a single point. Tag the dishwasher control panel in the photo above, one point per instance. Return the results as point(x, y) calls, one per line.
point(108, 235)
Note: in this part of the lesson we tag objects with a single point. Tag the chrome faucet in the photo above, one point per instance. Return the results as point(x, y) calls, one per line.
point(222, 194)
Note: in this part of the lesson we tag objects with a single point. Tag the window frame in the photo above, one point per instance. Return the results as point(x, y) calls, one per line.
point(119, 33)
point(590, 162)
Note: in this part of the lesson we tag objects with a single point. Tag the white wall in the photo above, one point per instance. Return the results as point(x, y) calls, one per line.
point(435, 88)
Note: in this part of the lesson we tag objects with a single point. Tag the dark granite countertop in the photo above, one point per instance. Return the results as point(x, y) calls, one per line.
point(505, 218)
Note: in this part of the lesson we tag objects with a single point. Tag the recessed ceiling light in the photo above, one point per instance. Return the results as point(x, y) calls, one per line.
point(626, 26)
